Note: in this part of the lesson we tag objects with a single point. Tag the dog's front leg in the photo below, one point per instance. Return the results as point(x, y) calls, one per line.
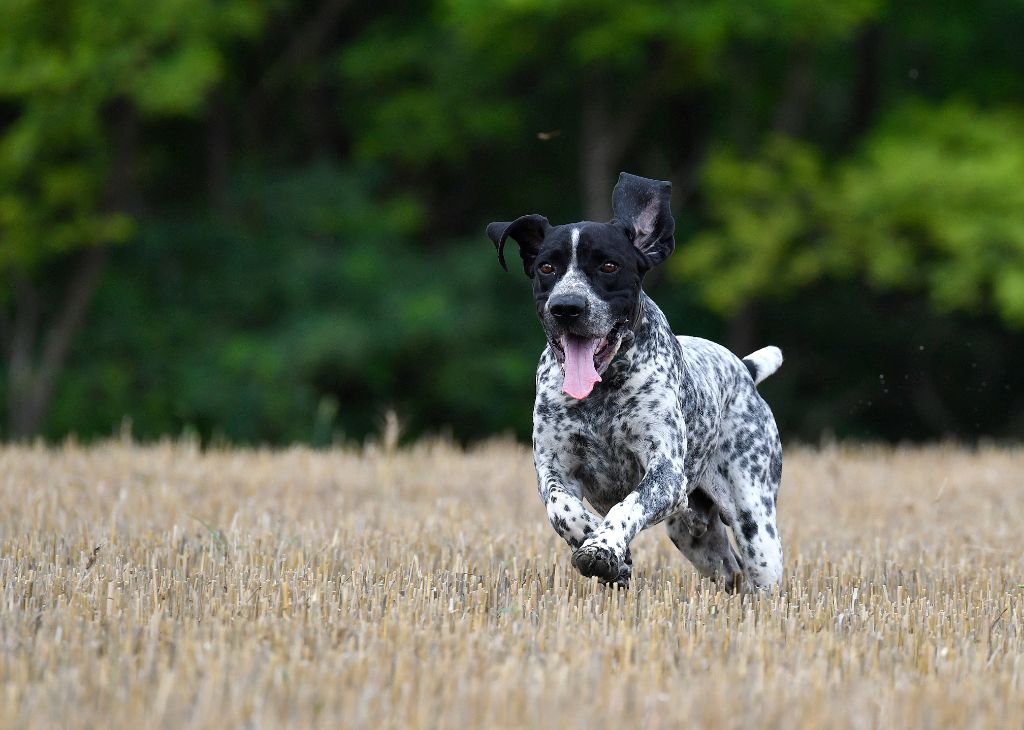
point(661, 492)
point(572, 520)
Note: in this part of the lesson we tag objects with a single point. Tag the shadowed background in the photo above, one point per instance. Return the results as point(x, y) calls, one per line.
point(262, 222)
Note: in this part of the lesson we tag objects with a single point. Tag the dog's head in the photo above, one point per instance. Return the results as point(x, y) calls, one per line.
point(586, 276)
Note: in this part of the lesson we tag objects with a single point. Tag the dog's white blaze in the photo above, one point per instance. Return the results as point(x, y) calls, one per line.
point(573, 281)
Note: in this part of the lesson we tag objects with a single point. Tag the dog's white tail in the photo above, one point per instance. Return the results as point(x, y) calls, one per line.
point(763, 362)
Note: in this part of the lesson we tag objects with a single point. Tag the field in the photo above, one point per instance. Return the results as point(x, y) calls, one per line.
point(167, 586)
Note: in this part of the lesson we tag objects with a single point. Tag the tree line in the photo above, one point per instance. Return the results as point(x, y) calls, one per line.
point(262, 222)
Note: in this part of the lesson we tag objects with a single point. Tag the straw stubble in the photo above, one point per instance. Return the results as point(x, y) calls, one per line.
point(166, 586)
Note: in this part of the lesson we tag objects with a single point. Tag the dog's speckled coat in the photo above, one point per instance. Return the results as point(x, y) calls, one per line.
point(675, 431)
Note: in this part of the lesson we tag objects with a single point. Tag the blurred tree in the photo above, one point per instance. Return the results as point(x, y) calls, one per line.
point(301, 312)
point(931, 203)
point(604, 67)
point(76, 78)
point(305, 184)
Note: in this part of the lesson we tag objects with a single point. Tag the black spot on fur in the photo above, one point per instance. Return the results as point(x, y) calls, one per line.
point(775, 467)
point(747, 525)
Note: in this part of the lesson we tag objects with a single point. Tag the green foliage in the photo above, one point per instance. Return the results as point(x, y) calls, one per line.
point(936, 202)
point(302, 314)
point(63, 66)
point(769, 220)
point(306, 183)
point(932, 203)
point(443, 88)
point(424, 101)
point(616, 33)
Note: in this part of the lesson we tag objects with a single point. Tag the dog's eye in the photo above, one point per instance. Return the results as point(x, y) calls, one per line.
point(609, 267)
point(546, 269)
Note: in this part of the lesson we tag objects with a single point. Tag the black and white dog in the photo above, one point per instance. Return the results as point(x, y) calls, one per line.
point(644, 425)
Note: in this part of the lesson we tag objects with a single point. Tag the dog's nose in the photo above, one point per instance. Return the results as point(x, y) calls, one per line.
point(568, 306)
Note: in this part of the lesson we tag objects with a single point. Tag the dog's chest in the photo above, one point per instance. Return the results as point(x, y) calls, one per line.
point(607, 458)
point(659, 404)
point(605, 442)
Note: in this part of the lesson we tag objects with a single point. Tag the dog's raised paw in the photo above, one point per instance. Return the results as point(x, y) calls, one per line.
point(591, 560)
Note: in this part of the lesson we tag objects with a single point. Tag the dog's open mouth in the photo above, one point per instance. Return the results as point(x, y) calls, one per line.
point(583, 360)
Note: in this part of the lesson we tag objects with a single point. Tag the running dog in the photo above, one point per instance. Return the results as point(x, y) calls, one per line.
point(643, 425)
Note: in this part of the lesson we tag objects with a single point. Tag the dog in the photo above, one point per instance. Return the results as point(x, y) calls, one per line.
point(643, 425)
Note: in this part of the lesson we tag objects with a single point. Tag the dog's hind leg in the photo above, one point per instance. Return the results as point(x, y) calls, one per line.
point(705, 542)
point(746, 484)
point(756, 533)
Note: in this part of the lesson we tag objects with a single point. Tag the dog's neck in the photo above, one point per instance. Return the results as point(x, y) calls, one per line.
point(639, 311)
point(648, 320)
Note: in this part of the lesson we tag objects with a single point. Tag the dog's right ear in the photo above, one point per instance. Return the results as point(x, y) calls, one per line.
point(528, 231)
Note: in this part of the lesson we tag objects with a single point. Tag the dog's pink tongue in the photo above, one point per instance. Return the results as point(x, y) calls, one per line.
point(580, 375)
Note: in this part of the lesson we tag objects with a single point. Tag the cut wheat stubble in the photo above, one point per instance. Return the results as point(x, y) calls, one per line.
point(171, 587)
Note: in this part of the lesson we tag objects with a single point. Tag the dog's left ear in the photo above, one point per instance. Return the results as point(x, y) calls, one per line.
point(643, 206)
point(527, 230)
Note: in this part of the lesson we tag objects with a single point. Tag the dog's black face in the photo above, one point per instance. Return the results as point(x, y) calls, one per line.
point(587, 276)
point(586, 286)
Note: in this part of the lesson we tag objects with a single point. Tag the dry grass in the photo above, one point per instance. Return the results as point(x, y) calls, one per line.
point(166, 587)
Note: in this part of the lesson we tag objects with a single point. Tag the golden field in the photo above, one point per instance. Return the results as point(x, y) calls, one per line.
point(167, 586)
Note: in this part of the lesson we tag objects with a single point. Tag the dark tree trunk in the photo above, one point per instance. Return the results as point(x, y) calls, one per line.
point(37, 351)
point(596, 160)
point(743, 330)
point(606, 135)
point(20, 349)
point(791, 114)
point(864, 101)
point(31, 386)
point(790, 119)
point(743, 127)
point(217, 149)
point(317, 114)
point(122, 191)
point(316, 35)
point(306, 43)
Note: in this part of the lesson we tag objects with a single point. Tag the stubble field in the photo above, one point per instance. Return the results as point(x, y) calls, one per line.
point(166, 586)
